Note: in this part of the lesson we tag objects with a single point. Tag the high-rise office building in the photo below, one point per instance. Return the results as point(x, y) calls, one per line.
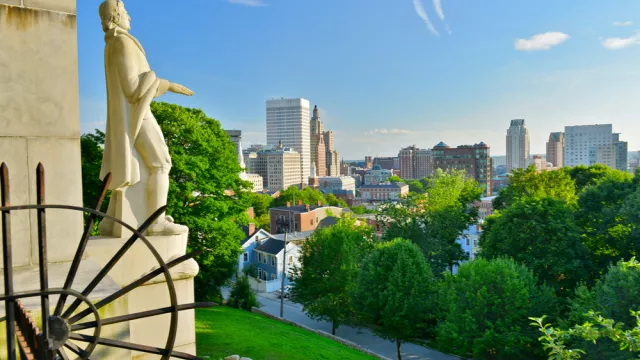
point(332, 155)
point(279, 168)
point(415, 163)
point(594, 144)
point(518, 145)
point(475, 160)
point(318, 148)
point(288, 122)
point(555, 149)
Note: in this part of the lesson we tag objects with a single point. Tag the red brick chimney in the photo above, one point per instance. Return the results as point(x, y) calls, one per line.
point(299, 202)
point(288, 204)
point(307, 208)
point(251, 229)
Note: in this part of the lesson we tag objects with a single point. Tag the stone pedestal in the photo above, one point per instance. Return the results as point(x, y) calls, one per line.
point(154, 294)
point(39, 120)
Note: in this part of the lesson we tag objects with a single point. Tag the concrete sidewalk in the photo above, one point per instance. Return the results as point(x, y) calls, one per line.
point(363, 337)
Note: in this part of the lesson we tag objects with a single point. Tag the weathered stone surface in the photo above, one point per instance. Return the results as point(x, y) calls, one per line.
point(67, 6)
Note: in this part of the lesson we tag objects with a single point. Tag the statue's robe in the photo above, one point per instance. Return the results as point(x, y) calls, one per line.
point(131, 86)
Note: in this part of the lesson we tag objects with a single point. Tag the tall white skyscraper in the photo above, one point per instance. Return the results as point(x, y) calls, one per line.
point(594, 144)
point(518, 146)
point(288, 121)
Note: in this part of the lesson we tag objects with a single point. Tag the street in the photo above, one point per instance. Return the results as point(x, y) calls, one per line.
point(363, 337)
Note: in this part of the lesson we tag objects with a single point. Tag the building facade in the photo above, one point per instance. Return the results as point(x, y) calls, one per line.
point(594, 144)
point(383, 192)
point(337, 185)
point(300, 218)
point(279, 168)
point(518, 145)
point(376, 175)
point(318, 148)
point(255, 179)
point(288, 122)
point(387, 163)
point(555, 149)
point(415, 163)
point(332, 155)
point(475, 160)
point(368, 162)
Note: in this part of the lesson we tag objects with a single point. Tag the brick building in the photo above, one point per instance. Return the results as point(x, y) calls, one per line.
point(302, 217)
point(475, 160)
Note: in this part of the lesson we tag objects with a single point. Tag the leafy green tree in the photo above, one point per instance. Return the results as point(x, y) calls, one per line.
point(394, 179)
point(261, 203)
point(594, 329)
point(324, 282)
point(529, 183)
point(584, 176)
point(608, 218)
point(395, 291)
point(416, 186)
point(540, 233)
point(484, 310)
point(293, 195)
point(434, 221)
point(242, 297)
point(91, 162)
point(205, 172)
point(334, 201)
point(360, 210)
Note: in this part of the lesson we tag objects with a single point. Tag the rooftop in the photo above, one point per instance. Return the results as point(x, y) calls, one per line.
point(302, 208)
point(271, 246)
point(298, 235)
point(384, 186)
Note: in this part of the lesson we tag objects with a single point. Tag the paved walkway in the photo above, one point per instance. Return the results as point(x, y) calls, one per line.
point(363, 337)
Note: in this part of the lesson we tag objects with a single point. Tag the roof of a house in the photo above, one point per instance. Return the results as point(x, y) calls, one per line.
point(245, 229)
point(328, 221)
point(298, 235)
point(271, 246)
point(302, 208)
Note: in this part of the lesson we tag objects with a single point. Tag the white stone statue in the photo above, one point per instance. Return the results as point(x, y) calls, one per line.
point(133, 136)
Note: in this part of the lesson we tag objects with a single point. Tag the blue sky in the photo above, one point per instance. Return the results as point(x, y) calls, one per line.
point(389, 73)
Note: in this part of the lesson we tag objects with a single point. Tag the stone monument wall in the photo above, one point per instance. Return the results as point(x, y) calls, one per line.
point(39, 120)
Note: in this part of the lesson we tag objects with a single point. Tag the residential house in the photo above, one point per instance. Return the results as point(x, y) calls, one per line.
point(301, 217)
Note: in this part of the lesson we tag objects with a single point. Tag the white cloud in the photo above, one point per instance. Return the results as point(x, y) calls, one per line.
point(621, 43)
point(388, 132)
point(622, 23)
point(543, 41)
point(419, 7)
point(253, 3)
point(437, 5)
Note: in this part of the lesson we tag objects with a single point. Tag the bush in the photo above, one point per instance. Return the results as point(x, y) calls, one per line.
point(242, 297)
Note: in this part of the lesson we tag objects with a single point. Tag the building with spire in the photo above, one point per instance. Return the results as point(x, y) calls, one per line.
point(518, 145)
point(318, 148)
point(255, 179)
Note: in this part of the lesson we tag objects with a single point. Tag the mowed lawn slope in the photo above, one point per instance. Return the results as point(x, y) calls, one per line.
point(222, 331)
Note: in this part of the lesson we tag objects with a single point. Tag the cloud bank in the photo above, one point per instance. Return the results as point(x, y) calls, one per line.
point(617, 43)
point(543, 41)
point(388, 132)
point(622, 23)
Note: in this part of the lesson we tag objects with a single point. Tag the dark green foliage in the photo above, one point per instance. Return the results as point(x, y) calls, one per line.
point(540, 233)
point(91, 155)
point(334, 201)
point(329, 266)
point(395, 292)
point(242, 297)
point(584, 176)
point(293, 195)
point(394, 179)
point(361, 210)
point(484, 310)
point(206, 192)
point(435, 220)
point(528, 183)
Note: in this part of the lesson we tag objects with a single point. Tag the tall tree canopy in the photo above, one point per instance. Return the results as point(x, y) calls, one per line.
point(540, 233)
point(484, 310)
point(91, 155)
point(206, 192)
point(435, 220)
point(530, 183)
point(324, 282)
point(396, 291)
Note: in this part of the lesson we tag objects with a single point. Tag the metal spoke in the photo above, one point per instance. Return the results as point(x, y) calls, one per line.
point(140, 315)
point(7, 260)
point(82, 245)
point(105, 270)
point(136, 347)
point(76, 350)
point(133, 285)
point(42, 252)
point(63, 354)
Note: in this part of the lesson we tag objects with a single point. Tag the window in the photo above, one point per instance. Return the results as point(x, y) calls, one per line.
point(290, 260)
point(264, 259)
point(259, 273)
point(259, 257)
point(246, 257)
point(273, 261)
point(265, 275)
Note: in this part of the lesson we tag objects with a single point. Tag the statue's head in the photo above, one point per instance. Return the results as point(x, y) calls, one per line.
point(113, 14)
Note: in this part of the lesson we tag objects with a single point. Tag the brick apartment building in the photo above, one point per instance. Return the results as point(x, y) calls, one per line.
point(475, 160)
point(302, 217)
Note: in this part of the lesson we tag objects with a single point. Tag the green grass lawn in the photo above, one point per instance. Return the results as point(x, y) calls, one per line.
point(222, 331)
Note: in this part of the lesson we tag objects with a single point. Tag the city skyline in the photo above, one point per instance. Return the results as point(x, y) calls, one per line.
point(380, 88)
